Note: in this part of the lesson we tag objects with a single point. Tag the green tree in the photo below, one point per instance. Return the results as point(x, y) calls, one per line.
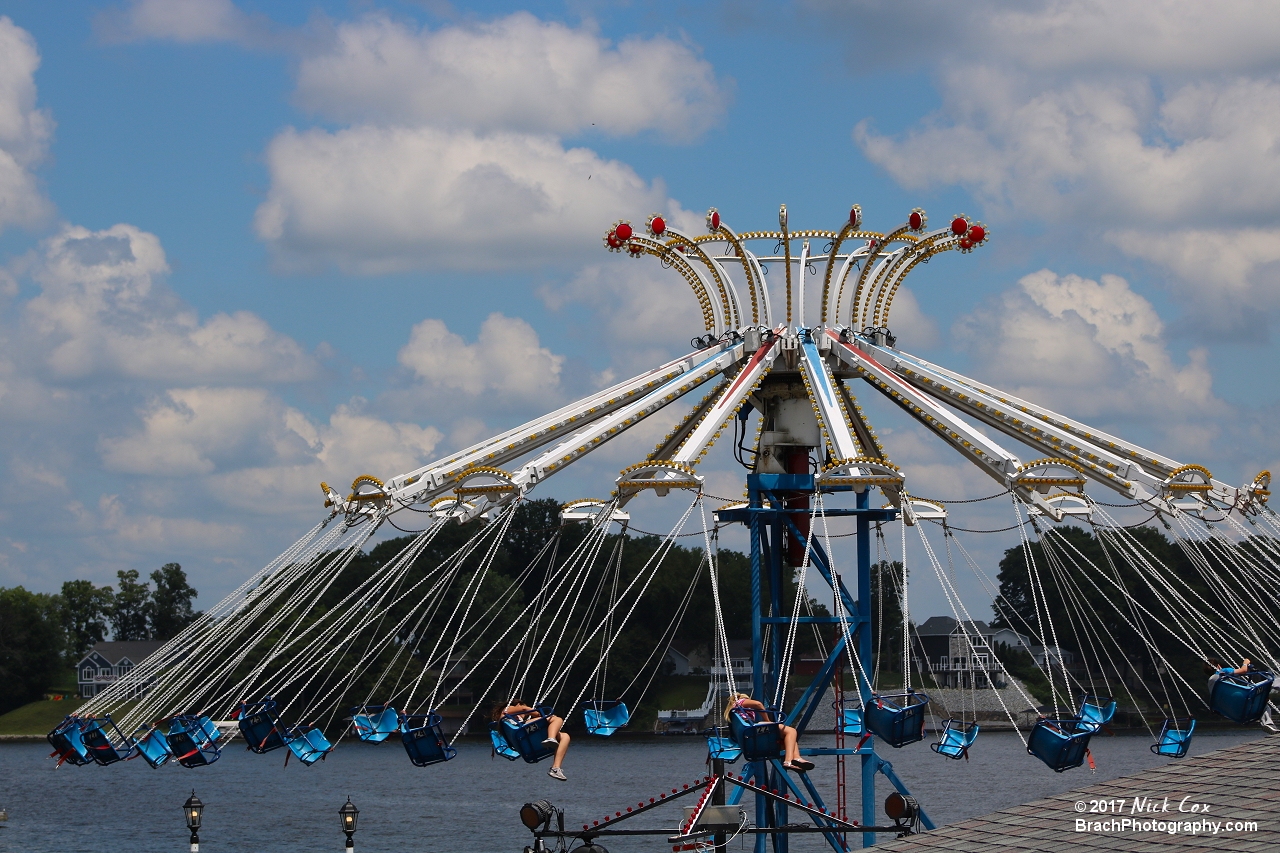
point(170, 609)
point(130, 608)
point(31, 645)
point(85, 609)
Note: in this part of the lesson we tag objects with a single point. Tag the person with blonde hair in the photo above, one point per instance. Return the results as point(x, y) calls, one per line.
point(555, 737)
point(756, 711)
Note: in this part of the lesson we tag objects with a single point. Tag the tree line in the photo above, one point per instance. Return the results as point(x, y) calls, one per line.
point(57, 629)
point(41, 634)
point(1092, 619)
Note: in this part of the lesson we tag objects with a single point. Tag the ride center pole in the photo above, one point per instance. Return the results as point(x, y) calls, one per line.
point(869, 761)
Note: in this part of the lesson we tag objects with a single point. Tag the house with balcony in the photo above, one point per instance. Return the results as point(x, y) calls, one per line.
point(958, 653)
point(106, 662)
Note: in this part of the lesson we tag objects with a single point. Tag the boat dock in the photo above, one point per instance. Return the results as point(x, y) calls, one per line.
point(1226, 800)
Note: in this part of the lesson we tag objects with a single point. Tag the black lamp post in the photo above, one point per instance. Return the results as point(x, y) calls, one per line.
point(191, 810)
point(349, 813)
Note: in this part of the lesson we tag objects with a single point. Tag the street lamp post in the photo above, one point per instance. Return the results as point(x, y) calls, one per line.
point(349, 813)
point(191, 810)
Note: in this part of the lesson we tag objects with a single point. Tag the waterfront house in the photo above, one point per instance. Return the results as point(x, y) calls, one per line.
point(106, 662)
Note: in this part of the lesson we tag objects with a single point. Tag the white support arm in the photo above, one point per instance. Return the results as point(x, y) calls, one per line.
point(826, 398)
point(586, 440)
point(766, 309)
point(995, 460)
point(998, 463)
point(740, 318)
point(1004, 413)
point(1146, 470)
point(695, 446)
point(436, 477)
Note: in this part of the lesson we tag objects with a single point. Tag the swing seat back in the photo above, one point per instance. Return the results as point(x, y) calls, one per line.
point(1060, 744)
point(68, 743)
point(152, 745)
point(605, 718)
point(851, 721)
point(897, 719)
point(210, 730)
point(193, 740)
point(1175, 738)
point(500, 745)
point(1242, 698)
point(955, 739)
point(309, 744)
point(423, 739)
point(105, 743)
point(759, 737)
point(261, 727)
point(526, 732)
point(376, 724)
point(1096, 711)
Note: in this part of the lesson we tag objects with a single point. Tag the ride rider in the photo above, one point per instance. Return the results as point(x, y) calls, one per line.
point(791, 753)
point(555, 737)
point(1216, 669)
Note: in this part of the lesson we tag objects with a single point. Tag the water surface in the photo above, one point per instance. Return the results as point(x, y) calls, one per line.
point(255, 803)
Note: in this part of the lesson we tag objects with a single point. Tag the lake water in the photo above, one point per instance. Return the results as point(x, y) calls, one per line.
point(255, 804)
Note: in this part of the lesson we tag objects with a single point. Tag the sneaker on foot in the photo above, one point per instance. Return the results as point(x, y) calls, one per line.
point(550, 742)
point(1271, 727)
point(557, 773)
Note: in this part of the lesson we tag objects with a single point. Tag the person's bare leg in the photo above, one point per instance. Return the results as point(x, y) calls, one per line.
point(561, 749)
point(553, 727)
point(792, 749)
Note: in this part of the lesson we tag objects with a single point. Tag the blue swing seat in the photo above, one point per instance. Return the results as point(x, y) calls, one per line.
point(374, 724)
point(722, 748)
point(759, 737)
point(1242, 698)
point(1096, 712)
point(424, 740)
point(67, 740)
point(526, 736)
point(193, 740)
point(897, 719)
point(955, 739)
point(1175, 738)
point(605, 717)
point(261, 727)
point(851, 721)
point(308, 743)
point(104, 741)
point(500, 745)
point(1060, 744)
point(152, 745)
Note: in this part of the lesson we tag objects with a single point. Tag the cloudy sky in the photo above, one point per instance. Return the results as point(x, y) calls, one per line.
point(247, 246)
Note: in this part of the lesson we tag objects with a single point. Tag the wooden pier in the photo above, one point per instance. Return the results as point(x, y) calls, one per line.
point(1240, 784)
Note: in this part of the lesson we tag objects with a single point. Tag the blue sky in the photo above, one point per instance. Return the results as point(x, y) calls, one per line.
point(246, 247)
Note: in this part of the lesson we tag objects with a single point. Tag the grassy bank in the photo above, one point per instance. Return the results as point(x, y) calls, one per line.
point(37, 718)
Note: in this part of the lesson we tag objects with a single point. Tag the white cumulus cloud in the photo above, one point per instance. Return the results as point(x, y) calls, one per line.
point(103, 309)
point(507, 358)
point(516, 73)
point(1091, 348)
point(199, 430)
point(1151, 127)
point(374, 199)
point(181, 21)
point(25, 131)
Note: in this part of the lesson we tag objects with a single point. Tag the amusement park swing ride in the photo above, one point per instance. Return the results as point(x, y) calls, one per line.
point(790, 356)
